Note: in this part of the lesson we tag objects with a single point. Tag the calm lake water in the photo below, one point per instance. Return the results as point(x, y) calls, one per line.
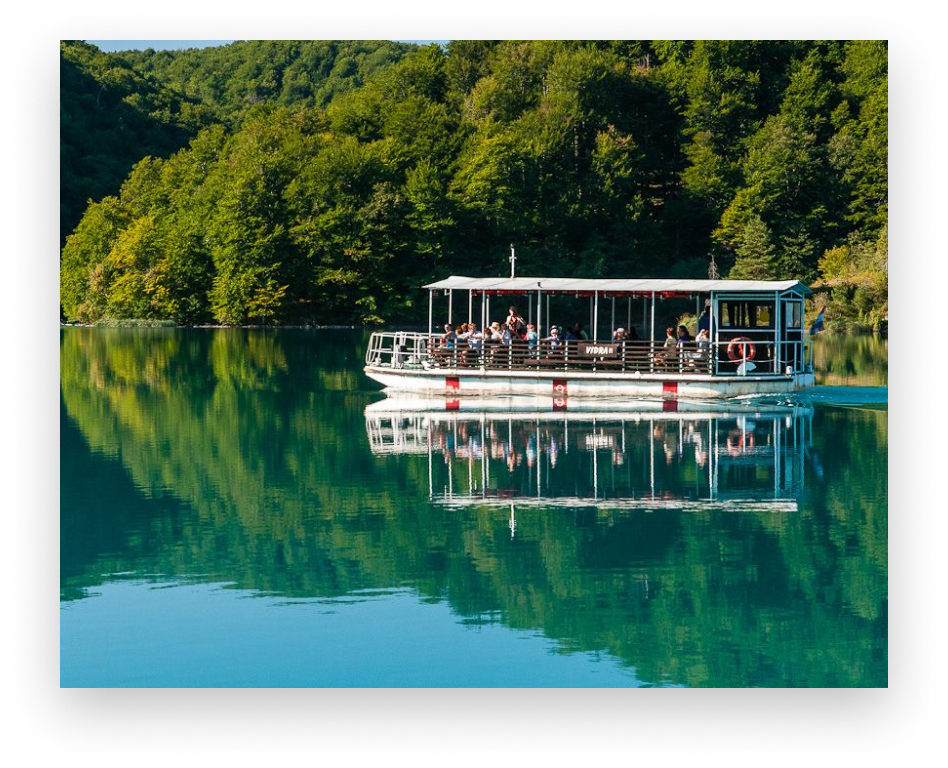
point(244, 508)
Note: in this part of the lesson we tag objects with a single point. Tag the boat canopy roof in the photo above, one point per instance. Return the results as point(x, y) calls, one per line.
point(613, 285)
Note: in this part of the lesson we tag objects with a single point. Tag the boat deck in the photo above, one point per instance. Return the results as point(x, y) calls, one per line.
point(421, 352)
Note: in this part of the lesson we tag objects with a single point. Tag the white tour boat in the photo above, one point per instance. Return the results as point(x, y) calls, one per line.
point(755, 345)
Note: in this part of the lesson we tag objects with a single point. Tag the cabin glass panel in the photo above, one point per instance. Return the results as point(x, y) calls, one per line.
point(746, 314)
point(747, 318)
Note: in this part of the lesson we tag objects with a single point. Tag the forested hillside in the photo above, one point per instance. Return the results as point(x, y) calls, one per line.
point(333, 203)
point(232, 78)
point(110, 117)
point(116, 108)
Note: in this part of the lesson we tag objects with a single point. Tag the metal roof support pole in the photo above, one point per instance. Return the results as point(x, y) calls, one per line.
point(530, 310)
point(713, 333)
point(539, 315)
point(548, 309)
point(430, 312)
point(596, 319)
point(470, 305)
point(451, 308)
point(483, 317)
point(652, 333)
point(628, 325)
point(613, 331)
point(778, 335)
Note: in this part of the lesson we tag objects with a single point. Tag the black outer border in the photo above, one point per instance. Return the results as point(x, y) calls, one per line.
point(280, 725)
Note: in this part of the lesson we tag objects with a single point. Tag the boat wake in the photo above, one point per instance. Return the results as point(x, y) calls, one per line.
point(860, 397)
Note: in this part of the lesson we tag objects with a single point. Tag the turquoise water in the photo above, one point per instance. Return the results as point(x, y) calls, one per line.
point(244, 508)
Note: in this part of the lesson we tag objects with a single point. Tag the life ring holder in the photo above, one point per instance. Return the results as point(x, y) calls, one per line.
point(748, 350)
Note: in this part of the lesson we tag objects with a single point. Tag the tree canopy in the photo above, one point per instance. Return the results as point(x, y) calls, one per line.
point(324, 182)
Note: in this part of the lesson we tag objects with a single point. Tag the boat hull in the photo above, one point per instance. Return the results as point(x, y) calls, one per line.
point(583, 384)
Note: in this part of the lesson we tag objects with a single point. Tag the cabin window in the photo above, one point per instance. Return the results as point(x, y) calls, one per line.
point(746, 314)
point(793, 311)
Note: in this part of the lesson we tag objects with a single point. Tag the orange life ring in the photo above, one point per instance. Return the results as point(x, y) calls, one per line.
point(748, 350)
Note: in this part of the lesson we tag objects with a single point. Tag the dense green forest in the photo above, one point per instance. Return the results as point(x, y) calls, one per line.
point(111, 115)
point(116, 109)
point(325, 182)
point(232, 78)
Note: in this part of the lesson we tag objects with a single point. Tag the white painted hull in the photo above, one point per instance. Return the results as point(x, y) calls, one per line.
point(583, 384)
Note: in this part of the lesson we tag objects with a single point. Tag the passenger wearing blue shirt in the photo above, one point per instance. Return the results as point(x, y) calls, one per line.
point(554, 338)
point(447, 340)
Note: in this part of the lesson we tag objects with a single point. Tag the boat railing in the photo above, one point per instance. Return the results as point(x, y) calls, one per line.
point(412, 350)
point(408, 350)
point(399, 349)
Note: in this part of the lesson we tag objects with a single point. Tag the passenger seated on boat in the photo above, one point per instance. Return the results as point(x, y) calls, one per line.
point(507, 333)
point(554, 341)
point(683, 337)
point(475, 339)
point(579, 333)
point(531, 337)
point(469, 342)
point(669, 352)
point(446, 344)
point(493, 338)
point(449, 337)
point(702, 349)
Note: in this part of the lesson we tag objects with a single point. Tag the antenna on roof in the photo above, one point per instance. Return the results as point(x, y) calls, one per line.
point(513, 262)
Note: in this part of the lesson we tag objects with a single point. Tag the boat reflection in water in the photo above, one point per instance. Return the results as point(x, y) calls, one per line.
point(630, 455)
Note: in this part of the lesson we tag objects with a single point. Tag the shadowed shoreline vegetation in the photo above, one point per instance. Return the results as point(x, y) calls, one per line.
point(324, 182)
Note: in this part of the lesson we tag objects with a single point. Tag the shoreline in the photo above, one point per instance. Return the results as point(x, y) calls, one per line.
point(161, 325)
point(157, 326)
